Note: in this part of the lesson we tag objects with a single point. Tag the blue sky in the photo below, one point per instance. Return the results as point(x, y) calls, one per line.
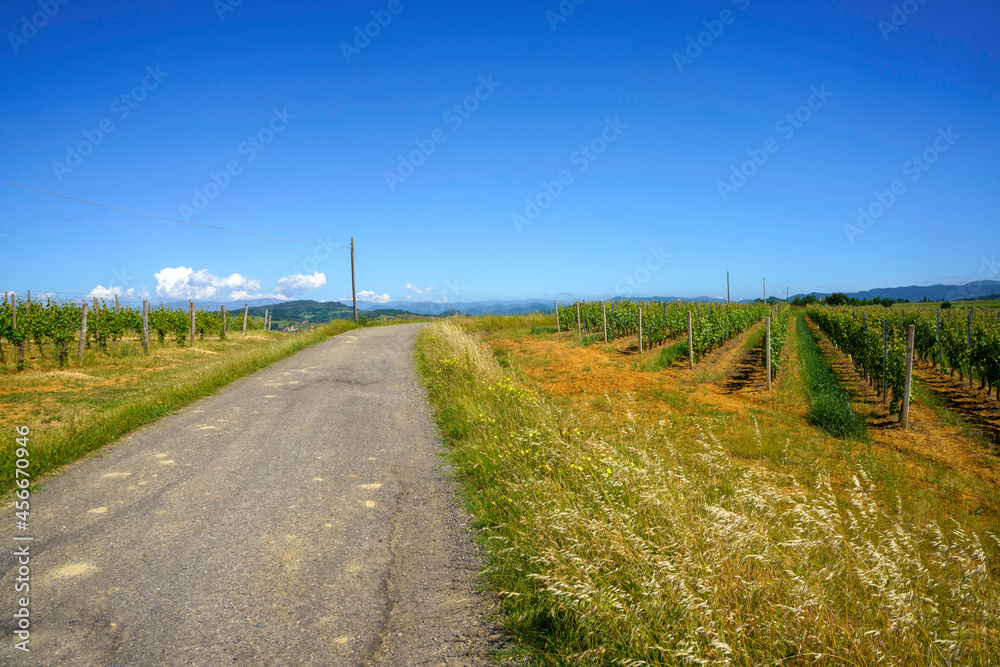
point(498, 150)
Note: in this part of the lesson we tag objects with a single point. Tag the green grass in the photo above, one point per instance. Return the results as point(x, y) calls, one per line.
point(829, 404)
point(542, 330)
point(665, 357)
point(645, 543)
point(119, 410)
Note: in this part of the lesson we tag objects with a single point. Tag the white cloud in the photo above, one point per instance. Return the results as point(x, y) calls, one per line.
point(297, 284)
point(185, 283)
point(242, 295)
point(370, 297)
point(101, 292)
point(410, 287)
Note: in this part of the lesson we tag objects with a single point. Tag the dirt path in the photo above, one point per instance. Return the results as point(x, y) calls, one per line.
point(975, 406)
point(299, 517)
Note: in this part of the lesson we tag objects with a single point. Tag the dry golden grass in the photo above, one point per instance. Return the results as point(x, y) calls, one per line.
point(637, 544)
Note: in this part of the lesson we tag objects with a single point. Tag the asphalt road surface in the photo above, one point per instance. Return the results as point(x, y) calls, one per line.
point(299, 517)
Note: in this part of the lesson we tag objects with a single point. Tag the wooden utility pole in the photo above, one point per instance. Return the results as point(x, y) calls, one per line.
point(354, 292)
point(904, 415)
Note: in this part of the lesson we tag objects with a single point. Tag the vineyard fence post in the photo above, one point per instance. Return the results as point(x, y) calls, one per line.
point(145, 326)
point(968, 332)
point(940, 350)
point(767, 350)
point(904, 415)
point(555, 304)
point(640, 329)
point(246, 312)
point(579, 331)
point(885, 356)
point(222, 309)
point(83, 334)
point(690, 344)
point(191, 315)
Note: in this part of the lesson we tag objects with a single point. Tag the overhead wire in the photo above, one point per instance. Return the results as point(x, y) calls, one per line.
point(163, 217)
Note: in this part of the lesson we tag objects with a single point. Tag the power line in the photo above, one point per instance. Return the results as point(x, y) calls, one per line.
point(163, 217)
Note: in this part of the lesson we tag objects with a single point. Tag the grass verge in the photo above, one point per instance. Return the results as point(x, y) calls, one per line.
point(153, 398)
point(829, 405)
point(644, 544)
point(665, 357)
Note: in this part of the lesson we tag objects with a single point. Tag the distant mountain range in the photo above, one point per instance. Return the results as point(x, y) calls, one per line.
point(319, 311)
point(975, 290)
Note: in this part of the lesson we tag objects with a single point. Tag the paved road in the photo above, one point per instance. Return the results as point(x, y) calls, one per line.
point(299, 517)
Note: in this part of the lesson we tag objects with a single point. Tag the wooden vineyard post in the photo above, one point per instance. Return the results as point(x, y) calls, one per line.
point(117, 307)
point(885, 357)
point(767, 349)
point(145, 326)
point(97, 323)
point(246, 312)
point(866, 337)
point(690, 344)
point(968, 333)
point(267, 319)
point(555, 304)
point(940, 352)
point(579, 331)
point(222, 309)
point(20, 345)
point(191, 315)
point(640, 329)
point(83, 334)
point(904, 415)
point(604, 320)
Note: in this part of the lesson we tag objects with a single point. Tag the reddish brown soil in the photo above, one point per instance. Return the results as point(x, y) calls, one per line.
point(732, 379)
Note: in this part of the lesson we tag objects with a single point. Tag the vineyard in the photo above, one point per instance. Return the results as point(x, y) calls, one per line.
point(663, 322)
point(876, 339)
point(26, 322)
